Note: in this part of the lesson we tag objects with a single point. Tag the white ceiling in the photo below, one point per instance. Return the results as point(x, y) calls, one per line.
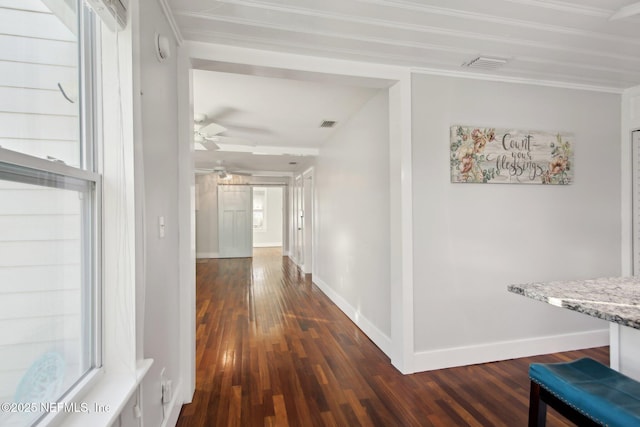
point(566, 41)
point(265, 115)
point(560, 40)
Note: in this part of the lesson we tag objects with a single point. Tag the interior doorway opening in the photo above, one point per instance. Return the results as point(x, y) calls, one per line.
point(398, 84)
point(268, 217)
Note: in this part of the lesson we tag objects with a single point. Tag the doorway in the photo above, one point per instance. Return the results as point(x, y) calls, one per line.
point(268, 218)
point(398, 84)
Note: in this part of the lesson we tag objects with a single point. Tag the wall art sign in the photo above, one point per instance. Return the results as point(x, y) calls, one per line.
point(509, 156)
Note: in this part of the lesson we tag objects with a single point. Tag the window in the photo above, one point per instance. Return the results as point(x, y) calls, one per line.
point(259, 209)
point(50, 192)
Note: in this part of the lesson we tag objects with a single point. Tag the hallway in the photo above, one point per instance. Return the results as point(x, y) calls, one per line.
point(272, 350)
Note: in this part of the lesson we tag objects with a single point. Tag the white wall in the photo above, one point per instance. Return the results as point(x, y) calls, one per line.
point(158, 104)
point(352, 222)
point(271, 236)
point(472, 240)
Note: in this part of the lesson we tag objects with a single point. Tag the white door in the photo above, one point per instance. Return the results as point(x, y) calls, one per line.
point(235, 224)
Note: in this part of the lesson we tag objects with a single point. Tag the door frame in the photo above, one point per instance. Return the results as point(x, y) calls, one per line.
point(237, 59)
point(285, 214)
point(630, 123)
point(298, 215)
point(308, 228)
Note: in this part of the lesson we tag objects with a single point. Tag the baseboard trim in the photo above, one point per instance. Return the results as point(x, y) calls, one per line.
point(493, 352)
point(207, 255)
point(368, 328)
point(174, 407)
point(294, 259)
point(267, 245)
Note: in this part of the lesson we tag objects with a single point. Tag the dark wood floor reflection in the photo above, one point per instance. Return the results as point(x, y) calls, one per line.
point(272, 350)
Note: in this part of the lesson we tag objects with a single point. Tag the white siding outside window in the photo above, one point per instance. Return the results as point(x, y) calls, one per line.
point(38, 56)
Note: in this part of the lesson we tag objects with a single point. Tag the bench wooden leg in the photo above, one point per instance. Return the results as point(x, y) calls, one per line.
point(537, 407)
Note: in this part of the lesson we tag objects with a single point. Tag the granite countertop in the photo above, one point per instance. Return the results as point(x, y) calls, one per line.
point(616, 299)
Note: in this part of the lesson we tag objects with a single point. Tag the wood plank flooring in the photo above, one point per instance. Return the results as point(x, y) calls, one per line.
point(272, 350)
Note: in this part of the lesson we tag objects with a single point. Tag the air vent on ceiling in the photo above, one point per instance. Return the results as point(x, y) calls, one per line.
point(328, 123)
point(485, 63)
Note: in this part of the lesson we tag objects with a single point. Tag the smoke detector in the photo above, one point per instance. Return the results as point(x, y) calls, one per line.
point(485, 63)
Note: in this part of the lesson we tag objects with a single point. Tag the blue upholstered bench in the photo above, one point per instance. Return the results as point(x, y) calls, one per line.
point(585, 392)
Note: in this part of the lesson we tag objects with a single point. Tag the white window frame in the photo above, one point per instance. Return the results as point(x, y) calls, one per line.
point(28, 166)
point(263, 192)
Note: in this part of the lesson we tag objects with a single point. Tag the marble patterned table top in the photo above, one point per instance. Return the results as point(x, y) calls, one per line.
point(616, 299)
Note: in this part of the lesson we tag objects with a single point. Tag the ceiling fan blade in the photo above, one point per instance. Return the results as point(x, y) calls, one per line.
point(210, 145)
point(205, 146)
point(626, 11)
point(212, 129)
point(238, 128)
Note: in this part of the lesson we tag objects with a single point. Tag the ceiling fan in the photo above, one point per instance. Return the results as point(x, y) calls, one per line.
point(626, 11)
point(205, 131)
point(222, 171)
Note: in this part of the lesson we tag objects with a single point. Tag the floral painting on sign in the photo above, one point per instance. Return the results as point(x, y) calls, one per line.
point(490, 155)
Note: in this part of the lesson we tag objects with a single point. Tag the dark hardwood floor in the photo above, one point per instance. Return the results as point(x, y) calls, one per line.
point(272, 350)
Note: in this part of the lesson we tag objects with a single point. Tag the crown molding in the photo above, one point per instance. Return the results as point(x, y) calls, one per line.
point(168, 14)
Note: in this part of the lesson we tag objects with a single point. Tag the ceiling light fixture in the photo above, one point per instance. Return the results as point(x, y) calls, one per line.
point(199, 117)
